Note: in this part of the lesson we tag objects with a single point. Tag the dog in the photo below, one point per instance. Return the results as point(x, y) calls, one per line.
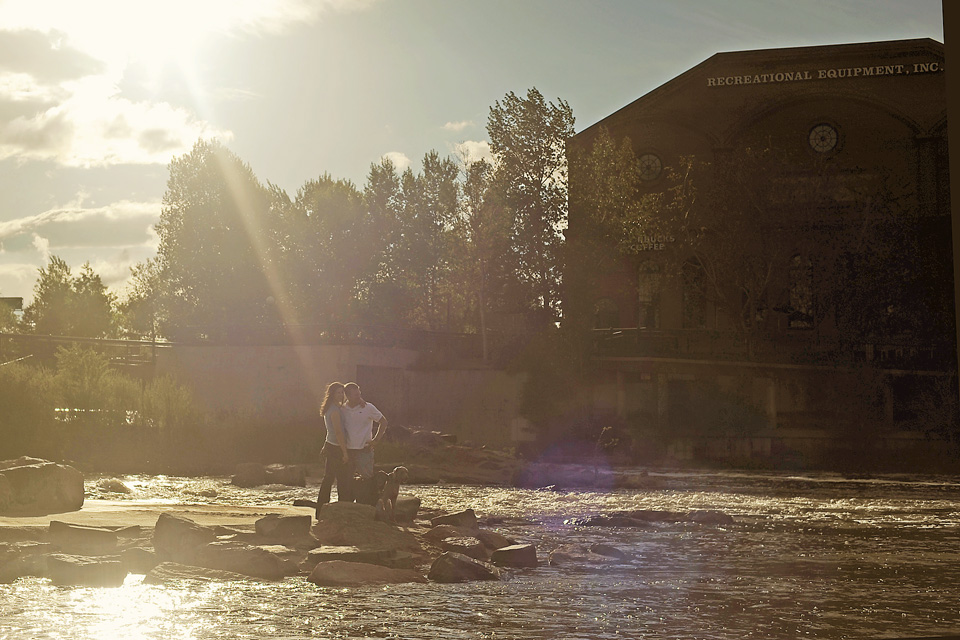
point(388, 494)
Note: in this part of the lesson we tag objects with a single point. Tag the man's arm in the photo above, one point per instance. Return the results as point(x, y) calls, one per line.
point(381, 429)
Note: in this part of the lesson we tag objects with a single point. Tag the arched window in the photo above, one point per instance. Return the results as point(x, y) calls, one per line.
point(606, 314)
point(648, 295)
point(694, 299)
point(801, 293)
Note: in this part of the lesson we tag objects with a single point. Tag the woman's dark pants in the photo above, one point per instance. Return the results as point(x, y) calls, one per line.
point(334, 468)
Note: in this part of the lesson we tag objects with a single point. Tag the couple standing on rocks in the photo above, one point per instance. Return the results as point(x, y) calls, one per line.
point(348, 449)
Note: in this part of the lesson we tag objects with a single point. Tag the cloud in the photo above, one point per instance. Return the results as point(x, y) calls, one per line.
point(97, 127)
point(76, 212)
point(473, 150)
point(43, 246)
point(43, 56)
point(399, 159)
point(458, 126)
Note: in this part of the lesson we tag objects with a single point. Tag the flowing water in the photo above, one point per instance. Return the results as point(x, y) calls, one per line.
point(812, 556)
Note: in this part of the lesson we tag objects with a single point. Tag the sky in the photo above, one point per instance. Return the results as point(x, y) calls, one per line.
point(97, 97)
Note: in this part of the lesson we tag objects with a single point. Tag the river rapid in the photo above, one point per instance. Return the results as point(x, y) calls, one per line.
point(810, 556)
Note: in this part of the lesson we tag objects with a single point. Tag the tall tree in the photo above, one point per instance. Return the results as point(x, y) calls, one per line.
point(92, 305)
point(215, 251)
point(528, 139)
point(482, 232)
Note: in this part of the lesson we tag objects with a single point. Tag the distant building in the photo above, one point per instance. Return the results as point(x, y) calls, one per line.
point(870, 111)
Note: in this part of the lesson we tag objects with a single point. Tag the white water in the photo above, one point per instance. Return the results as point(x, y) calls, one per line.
point(817, 556)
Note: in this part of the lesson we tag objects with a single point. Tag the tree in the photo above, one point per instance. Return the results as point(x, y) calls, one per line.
point(70, 306)
point(605, 192)
point(483, 235)
point(215, 253)
point(528, 139)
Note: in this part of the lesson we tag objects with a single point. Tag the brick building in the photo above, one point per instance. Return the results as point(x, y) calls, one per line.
point(865, 125)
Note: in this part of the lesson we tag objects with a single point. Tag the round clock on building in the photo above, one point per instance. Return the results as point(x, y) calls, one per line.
point(650, 166)
point(823, 138)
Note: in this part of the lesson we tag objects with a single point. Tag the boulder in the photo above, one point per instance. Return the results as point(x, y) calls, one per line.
point(284, 528)
point(113, 485)
point(31, 486)
point(609, 551)
point(292, 475)
point(167, 572)
point(575, 554)
point(466, 518)
point(516, 555)
point(177, 538)
point(540, 474)
point(456, 567)
point(346, 554)
point(245, 559)
point(351, 524)
point(138, 560)
point(612, 521)
point(406, 508)
point(338, 573)
point(20, 559)
point(84, 540)
point(100, 571)
point(249, 474)
point(441, 531)
point(467, 545)
point(492, 539)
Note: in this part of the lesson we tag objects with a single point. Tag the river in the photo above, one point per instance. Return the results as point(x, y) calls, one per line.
point(810, 556)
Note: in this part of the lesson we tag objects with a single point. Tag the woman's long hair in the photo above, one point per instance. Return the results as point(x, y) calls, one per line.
point(332, 388)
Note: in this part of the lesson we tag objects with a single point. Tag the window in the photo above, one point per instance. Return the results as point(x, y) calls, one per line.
point(650, 166)
point(694, 299)
point(801, 293)
point(823, 138)
point(606, 314)
point(648, 288)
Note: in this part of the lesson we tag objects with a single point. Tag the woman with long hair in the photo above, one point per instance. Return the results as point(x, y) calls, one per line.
point(336, 464)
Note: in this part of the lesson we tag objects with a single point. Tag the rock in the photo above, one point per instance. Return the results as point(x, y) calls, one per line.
point(31, 486)
point(466, 518)
point(276, 527)
point(167, 572)
point(346, 554)
point(177, 538)
point(456, 567)
point(574, 554)
point(426, 439)
point(441, 531)
point(249, 474)
point(83, 540)
point(245, 559)
point(23, 559)
point(420, 474)
point(467, 545)
point(406, 508)
point(516, 555)
point(611, 521)
point(609, 551)
point(492, 539)
point(100, 571)
point(348, 523)
point(138, 560)
point(540, 474)
point(291, 475)
point(113, 485)
point(338, 573)
point(710, 517)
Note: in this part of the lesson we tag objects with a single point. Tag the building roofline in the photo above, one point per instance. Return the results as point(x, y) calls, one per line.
point(806, 51)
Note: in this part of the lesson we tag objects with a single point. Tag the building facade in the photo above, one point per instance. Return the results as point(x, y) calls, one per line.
point(819, 272)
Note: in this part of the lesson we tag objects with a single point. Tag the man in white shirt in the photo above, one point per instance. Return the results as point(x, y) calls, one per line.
point(359, 418)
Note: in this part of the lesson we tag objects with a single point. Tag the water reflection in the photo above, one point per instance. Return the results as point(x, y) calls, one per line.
point(811, 556)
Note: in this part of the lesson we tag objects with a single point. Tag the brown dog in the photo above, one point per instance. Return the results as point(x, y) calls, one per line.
point(389, 493)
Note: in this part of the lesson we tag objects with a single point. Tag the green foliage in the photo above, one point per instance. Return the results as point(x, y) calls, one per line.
point(215, 258)
point(65, 305)
point(528, 138)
